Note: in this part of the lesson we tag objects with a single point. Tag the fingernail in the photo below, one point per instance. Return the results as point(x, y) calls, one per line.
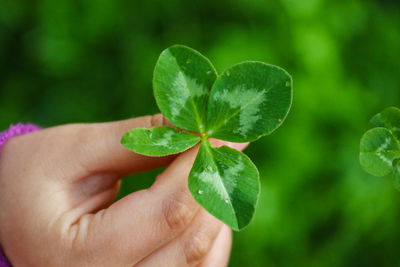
point(238, 146)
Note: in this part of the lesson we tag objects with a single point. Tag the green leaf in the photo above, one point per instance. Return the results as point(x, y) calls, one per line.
point(378, 149)
point(226, 183)
point(396, 174)
point(247, 101)
point(158, 141)
point(182, 82)
point(390, 119)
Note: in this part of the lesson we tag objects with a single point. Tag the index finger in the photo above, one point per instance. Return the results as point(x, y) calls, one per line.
point(97, 148)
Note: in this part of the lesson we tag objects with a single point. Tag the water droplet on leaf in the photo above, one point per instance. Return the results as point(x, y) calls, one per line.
point(226, 200)
point(200, 192)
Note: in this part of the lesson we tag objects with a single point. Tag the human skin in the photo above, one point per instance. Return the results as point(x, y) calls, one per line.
point(57, 193)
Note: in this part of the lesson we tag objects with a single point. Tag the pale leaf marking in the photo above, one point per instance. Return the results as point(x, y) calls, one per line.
point(249, 101)
point(381, 148)
point(184, 88)
point(166, 139)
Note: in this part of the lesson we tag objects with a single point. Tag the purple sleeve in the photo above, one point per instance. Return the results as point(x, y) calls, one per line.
point(14, 130)
point(3, 260)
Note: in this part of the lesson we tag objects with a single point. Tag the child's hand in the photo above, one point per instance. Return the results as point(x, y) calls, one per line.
point(57, 188)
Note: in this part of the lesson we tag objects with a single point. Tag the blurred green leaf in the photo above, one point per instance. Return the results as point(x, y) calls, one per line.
point(396, 174)
point(378, 149)
point(389, 118)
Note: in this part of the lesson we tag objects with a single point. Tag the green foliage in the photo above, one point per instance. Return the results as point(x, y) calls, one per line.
point(158, 141)
point(396, 174)
point(378, 149)
point(380, 146)
point(247, 101)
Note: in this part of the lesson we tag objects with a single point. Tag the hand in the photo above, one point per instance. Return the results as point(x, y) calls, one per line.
point(57, 192)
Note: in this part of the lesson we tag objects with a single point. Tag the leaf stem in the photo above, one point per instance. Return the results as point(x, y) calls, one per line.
point(203, 136)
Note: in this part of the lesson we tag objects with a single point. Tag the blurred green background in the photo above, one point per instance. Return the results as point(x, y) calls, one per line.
point(84, 61)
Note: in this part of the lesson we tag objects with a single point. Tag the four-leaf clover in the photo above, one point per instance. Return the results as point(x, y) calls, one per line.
point(249, 100)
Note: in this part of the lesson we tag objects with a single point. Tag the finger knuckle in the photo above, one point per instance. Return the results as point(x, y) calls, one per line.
point(197, 247)
point(81, 133)
point(157, 120)
point(157, 180)
point(177, 213)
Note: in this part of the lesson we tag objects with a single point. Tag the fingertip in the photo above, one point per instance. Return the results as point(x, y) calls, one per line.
point(99, 146)
point(179, 166)
point(220, 251)
point(237, 146)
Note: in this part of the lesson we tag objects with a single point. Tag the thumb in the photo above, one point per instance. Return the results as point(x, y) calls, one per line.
point(135, 226)
point(102, 151)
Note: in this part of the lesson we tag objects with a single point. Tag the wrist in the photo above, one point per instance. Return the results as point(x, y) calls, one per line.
point(14, 130)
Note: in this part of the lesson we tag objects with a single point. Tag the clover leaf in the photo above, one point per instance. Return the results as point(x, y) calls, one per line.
point(226, 183)
point(247, 101)
point(158, 141)
point(380, 146)
point(182, 82)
